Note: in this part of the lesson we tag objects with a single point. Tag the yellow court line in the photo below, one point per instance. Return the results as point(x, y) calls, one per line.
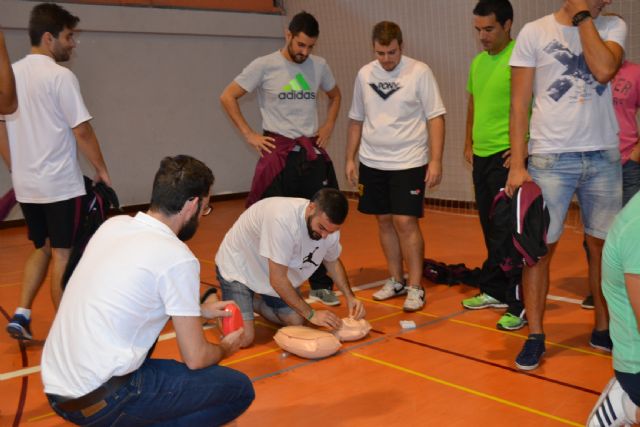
point(253, 356)
point(8, 285)
point(266, 325)
point(41, 417)
point(467, 390)
point(206, 261)
point(377, 319)
point(524, 337)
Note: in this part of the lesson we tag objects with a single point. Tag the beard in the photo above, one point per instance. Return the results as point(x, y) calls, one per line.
point(298, 58)
point(189, 229)
point(312, 234)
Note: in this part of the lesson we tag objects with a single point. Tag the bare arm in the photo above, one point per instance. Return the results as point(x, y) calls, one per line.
point(336, 271)
point(521, 94)
point(468, 137)
point(90, 148)
point(354, 134)
point(282, 285)
point(604, 58)
point(435, 128)
point(229, 101)
point(4, 145)
point(8, 98)
point(324, 132)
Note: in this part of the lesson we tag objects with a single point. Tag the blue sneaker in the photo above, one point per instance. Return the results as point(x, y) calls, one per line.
point(531, 353)
point(601, 340)
point(18, 327)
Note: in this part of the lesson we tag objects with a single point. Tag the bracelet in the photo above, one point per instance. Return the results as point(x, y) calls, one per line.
point(313, 312)
point(580, 16)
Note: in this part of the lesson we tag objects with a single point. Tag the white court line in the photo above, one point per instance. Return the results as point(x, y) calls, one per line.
point(171, 335)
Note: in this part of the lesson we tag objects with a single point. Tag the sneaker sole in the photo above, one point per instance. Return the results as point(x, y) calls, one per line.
point(412, 310)
point(599, 347)
point(531, 367)
point(505, 328)
point(603, 396)
point(480, 307)
point(330, 304)
point(19, 333)
point(399, 294)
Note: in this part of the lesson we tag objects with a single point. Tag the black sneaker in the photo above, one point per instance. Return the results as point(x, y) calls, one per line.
point(207, 294)
point(18, 327)
point(531, 353)
point(587, 303)
point(601, 340)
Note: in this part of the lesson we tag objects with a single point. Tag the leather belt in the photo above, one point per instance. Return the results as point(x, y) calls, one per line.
point(94, 398)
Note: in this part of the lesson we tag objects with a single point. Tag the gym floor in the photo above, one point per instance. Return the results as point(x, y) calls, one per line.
point(455, 368)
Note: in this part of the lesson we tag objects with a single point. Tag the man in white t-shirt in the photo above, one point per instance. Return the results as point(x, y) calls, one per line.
point(397, 122)
point(136, 273)
point(565, 61)
point(40, 143)
point(8, 99)
point(275, 246)
point(293, 160)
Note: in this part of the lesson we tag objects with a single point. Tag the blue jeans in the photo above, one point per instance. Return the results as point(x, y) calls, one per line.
point(630, 180)
point(594, 176)
point(168, 393)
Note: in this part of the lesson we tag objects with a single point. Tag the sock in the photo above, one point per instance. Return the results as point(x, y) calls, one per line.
point(536, 337)
point(630, 408)
point(24, 311)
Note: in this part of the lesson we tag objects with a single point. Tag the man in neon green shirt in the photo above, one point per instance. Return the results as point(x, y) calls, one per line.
point(487, 147)
point(619, 402)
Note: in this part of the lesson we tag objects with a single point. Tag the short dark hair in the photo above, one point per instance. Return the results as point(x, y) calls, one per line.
point(333, 203)
point(49, 18)
point(304, 22)
point(502, 9)
point(385, 32)
point(179, 179)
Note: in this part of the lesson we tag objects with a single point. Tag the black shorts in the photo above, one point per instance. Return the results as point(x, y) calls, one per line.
point(398, 192)
point(631, 384)
point(53, 221)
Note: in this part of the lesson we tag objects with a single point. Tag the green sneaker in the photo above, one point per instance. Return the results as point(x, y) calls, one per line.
point(511, 322)
point(482, 301)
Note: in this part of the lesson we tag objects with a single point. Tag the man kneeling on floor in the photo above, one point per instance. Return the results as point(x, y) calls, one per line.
point(273, 248)
point(134, 274)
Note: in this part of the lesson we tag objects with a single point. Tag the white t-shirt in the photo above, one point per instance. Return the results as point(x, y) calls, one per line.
point(287, 92)
point(134, 274)
point(572, 112)
point(273, 229)
point(394, 107)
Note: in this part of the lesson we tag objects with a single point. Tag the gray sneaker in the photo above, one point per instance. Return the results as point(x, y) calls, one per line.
point(415, 299)
point(325, 296)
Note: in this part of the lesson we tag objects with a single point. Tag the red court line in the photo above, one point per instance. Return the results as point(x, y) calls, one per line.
point(25, 380)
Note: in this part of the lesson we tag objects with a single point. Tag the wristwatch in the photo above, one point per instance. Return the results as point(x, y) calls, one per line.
point(580, 16)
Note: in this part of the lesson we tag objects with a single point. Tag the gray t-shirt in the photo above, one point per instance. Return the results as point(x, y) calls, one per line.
point(287, 92)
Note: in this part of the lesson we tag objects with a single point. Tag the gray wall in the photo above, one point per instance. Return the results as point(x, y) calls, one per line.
point(151, 77)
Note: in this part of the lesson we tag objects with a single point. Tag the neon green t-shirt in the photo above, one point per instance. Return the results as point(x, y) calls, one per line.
point(621, 255)
point(490, 84)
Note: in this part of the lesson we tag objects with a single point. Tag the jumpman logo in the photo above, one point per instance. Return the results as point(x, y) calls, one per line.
point(309, 258)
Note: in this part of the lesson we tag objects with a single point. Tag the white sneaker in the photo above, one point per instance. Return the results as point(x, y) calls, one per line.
point(391, 289)
point(415, 299)
point(609, 410)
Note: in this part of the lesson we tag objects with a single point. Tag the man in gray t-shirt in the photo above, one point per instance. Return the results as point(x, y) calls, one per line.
point(288, 82)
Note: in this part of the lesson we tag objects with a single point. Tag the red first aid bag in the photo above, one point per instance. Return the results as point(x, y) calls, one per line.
point(233, 322)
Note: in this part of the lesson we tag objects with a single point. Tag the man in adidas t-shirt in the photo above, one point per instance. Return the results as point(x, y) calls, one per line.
point(395, 113)
point(565, 61)
point(293, 161)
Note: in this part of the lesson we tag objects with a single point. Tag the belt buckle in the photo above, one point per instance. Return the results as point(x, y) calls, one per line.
point(93, 409)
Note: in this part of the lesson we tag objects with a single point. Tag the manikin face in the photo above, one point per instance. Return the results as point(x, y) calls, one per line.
point(299, 47)
point(319, 226)
point(492, 35)
point(62, 46)
point(388, 56)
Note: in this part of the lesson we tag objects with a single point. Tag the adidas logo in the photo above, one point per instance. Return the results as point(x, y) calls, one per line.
point(385, 89)
point(298, 88)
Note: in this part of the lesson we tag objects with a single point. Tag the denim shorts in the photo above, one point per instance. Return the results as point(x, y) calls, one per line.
point(594, 176)
point(243, 297)
point(630, 180)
